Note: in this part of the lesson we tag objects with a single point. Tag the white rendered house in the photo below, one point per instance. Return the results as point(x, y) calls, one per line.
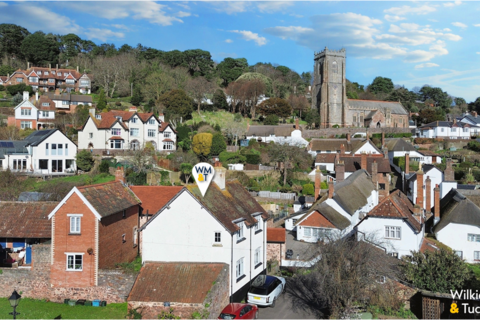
point(449, 130)
point(344, 146)
point(399, 148)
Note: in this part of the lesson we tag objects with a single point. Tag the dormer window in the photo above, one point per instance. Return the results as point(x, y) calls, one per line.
point(134, 120)
point(152, 121)
point(240, 236)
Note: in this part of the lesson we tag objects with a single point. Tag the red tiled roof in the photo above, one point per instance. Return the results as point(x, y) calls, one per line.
point(116, 138)
point(316, 219)
point(167, 140)
point(428, 245)
point(144, 116)
point(276, 235)
point(26, 219)
point(178, 282)
point(154, 197)
point(45, 99)
point(109, 118)
point(164, 126)
point(109, 198)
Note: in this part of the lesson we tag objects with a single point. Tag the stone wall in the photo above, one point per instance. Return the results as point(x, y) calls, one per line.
point(114, 285)
point(331, 132)
point(276, 251)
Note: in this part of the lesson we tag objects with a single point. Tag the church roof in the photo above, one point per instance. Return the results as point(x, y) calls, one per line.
point(395, 107)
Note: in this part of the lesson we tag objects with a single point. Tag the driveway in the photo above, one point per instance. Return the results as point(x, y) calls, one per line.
point(283, 310)
point(302, 250)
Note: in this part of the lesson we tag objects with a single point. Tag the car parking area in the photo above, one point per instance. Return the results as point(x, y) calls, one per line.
point(301, 250)
point(284, 310)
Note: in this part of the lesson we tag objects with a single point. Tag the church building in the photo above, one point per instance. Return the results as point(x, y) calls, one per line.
point(330, 97)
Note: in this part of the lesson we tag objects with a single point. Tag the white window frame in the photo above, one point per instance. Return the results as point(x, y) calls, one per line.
point(90, 135)
point(74, 255)
point(458, 253)
point(217, 237)
point(134, 120)
point(152, 121)
point(116, 132)
point(393, 232)
point(26, 112)
point(136, 131)
point(26, 124)
point(471, 237)
point(113, 144)
point(167, 134)
point(257, 226)
point(44, 114)
point(239, 268)
point(168, 145)
point(256, 257)
point(307, 232)
point(66, 149)
point(476, 255)
point(151, 133)
point(75, 223)
point(70, 81)
point(240, 235)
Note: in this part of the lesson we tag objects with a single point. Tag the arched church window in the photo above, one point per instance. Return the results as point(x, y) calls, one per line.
point(335, 67)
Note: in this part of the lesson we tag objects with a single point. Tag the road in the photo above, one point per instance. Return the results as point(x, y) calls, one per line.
point(283, 310)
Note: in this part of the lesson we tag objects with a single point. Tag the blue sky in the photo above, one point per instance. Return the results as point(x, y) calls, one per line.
point(413, 43)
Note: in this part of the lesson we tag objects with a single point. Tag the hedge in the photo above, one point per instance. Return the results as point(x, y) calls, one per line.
point(393, 135)
point(252, 158)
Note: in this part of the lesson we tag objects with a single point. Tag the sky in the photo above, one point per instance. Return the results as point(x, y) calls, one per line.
point(413, 43)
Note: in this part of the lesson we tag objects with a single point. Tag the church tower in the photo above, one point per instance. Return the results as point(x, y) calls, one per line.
point(329, 87)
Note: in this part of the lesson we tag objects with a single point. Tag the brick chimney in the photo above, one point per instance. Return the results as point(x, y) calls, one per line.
point(342, 149)
point(436, 199)
point(133, 109)
point(363, 161)
point(454, 120)
point(297, 125)
point(407, 163)
point(385, 152)
point(417, 213)
point(119, 175)
point(331, 190)
point(375, 173)
point(57, 67)
point(449, 174)
point(57, 91)
point(50, 67)
point(428, 195)
point(220, 173)
point(77, 69)
point(383, 139)
point(318, 181)
point(420, 188)
point(348, 137)
point(340, 171)
point(474, 114)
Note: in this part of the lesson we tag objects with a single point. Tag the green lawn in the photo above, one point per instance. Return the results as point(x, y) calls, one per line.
point(38, 309)
point(218, 117)
point(82, 179)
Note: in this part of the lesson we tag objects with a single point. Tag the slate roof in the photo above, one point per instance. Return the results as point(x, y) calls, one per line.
point(425, 168)
point(399, 145)
point(472, 118)
point(396, 206)
point(267, 130)
point(230, 204)
point(153, 198)
point(70, 97)
point(456, 208)
point(26, 219)
point(178, 282)
point(449, 124)
point(14, 147)
point(393, 106)
point(109, 198)
point(353, 192)
point(354, 163)
point(35, 196)
point(325, 158)
point(277, 235)
point(334, 145)
point(37, 137)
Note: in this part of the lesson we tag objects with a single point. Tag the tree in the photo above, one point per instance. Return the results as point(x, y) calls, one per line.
point(253, 89)
point(178, 157)
point(17, 99)
point(198, 88)
point(201, 144)
point(440, 99)
point(102, 100)
point(299, 103)
point(11, 38)
point(104, 167)
point(71, 45)
point(230, 69)
point(186, 169)
point(19, 88)
point(137, 97)
point(84, 160)
point(285, 154)
point(308, 189)
point(475, 105)
point(39, 49)
point(177, 104)
point(6, 70)
point(271, 120)
point(220, 100)
point(234, 129)
point(231, 157)
point(406, 97)
point(428, 115)
point(437, 271)
point(199, 63)
point(381, 84)
point(218, 144)
point(312, 117)
point(276, 106)
point(459, 101)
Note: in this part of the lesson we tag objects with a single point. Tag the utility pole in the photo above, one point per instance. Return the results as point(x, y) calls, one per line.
point(131, 89)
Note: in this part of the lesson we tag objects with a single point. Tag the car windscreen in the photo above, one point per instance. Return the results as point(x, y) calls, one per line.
point(226, 316)
point(258, 290)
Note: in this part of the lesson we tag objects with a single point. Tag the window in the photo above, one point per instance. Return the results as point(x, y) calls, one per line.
point(33, 79)
point(116, 144)
point(218, 237)
point(19, 79)
point(124, 238)
point(90, 135)
point(75, 221)
point(46, 73)
point(19, 164)
point(65, 102)
point(454, 129)
point(70, 81)
point(66, 149)
point(59, 73)
point(476, 255)
point(134, 132)
point(168, 146)
point(26, 112)
point(256, 257)
point(43, 164)
point(124, 214)
point(239, 269)
point(307, 232)
point(39, 72)
point(60, 150)
point(45, 104)
point(167, 134)
point(26, 124)
point(84, 83)
point(46, 149)
point(152, 121)
point(459, 253)
point(135, 145)
point(53, 72)
point(393, 254)
point(465, 130)
point(54, 149)
point(74, 262)
point(392, 232)
point(116, 132)
point(335, 67)
point(442, 130)
point(240, 232)
point(57, 165)
point(257, 226)
point(134, 120)
point(44, 114)
point(151, 132)
point(473, 237)
point(51, 80)
point(135, 237)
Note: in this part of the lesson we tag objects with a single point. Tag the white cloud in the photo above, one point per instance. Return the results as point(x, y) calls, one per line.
point(250, 36)
point(432, 20)
point(477, 25)
point(141, 10)
point(404, 10)
point(437, 49)
point(414, 34)
point(103, 34)
point(447, 30)
point(231, 7)
point(296, 15)
point(183, 14)
point(120, 26)
point(183, 5)
point(459, 24)
point(426, 65)
point(229, 41)
point(393, 18)
point(452, 4)
point(291, 32)
point(273, 6)
point(3, 4)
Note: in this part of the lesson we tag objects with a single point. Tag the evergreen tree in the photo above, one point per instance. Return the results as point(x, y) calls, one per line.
point(220, 100)
point(218, 144)
point(102, 100)
point(137, 97)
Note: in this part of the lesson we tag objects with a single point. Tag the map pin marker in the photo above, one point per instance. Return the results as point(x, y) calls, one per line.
point(203, 174)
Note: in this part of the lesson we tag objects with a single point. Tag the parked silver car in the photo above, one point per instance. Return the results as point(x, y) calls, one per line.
point(265, 290)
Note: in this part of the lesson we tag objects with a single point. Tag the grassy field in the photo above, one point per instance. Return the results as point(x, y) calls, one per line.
point(83, 179)
point(38, 309)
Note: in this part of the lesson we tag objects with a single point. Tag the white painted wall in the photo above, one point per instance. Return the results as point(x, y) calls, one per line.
point(235, 166)
point(39, 152)
point(414, 156)
point(447, 132)
point(436, 176)
point(368, 148)
point(455, 236)
point(446, 186)
point(26, 105)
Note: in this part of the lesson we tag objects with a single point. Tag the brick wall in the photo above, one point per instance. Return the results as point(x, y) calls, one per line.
point(276, 251)
point(112, 248)
point(329, 132)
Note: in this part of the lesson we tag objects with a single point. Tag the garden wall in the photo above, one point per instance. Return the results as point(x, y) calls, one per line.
point(113, 285)
point(319, 133)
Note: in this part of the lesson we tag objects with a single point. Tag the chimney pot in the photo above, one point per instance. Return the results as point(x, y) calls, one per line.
point(331, 190)
point(119, 175)
point(36, 95)
point(407, 163)
point(428, 195)
point(318, 181)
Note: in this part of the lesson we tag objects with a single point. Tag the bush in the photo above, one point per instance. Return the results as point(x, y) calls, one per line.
point(84, 160)
point(136, 178)
point(2, 88)
point(252, 142)
point(271, 119)
point(308, 189)
point(19, 88)
point(474, 145)
point(237, 117)
point(104, 166)
point(118, 104)
point(231, 157)
point(253, 158)
point(423, 140)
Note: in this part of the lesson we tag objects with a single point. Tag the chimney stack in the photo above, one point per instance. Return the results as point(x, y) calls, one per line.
point(348, 137)
point(340, 171)
point(220, 173)
point(474, 114)
point(407, 163)
point(385, 153)
point(428, 195)
point(375, 173)
point(449, 174)
point(331, 190)
point(318, 181)
point(119, 175)
point(92, 112)
point(436, 209)
point(420, 188)
point(297, 125)
point(417, 213)
point(454, 120)
point(36, 95)
point(57, 67)
point(25, 95)
point(50, 67)
point(77, 69)
point(363, 162)
point(28, 65)
point(342, 149)
point(383, 139)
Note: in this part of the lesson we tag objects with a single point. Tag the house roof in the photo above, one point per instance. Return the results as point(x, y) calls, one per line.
point(399, 145)
point(396, 206)
point(267, 130)
point(335, 144)
point(37, 137)
point(12, 147)
point(164, 126)
point(354, 163)
point(316, 219)
point(25, 219)
point(178, 282)
point(456, 208)
point(448, 124)
point(35, 196)
point(352, 193)
point(44, 99)
point(325, 158)
point(428, 245)
point(108, 119)
point(70, 97)
point(393, 106)
point(109, 198)
point(153, 198)
point(276, 235)
point(472, 118)
point(232, 203)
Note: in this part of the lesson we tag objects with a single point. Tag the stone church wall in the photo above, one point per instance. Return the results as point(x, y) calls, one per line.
point(331, 132)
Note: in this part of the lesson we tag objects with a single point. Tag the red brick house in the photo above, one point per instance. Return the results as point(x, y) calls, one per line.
point(94, 227)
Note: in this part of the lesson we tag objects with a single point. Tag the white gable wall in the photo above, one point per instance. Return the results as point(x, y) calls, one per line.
point(367, 148)
point(455, 236)
point(69, 152)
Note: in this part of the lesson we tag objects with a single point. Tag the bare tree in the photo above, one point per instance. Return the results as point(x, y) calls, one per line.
point(234, 90)
point(113, 73)
point(198, 88)
point(286, 155)
point(235, 129)
point(299, 103)
point(157, 83)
